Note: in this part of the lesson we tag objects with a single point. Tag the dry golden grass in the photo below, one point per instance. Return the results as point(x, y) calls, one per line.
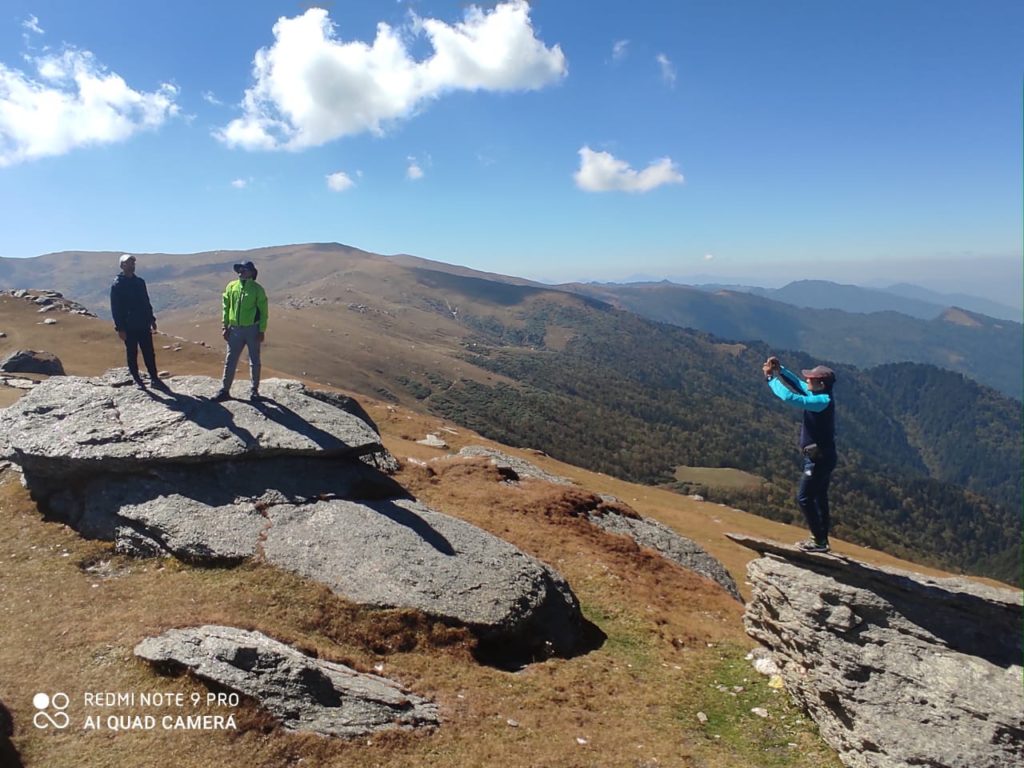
point(71, 611)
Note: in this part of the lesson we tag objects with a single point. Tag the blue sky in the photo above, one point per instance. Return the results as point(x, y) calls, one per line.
point(554, 140)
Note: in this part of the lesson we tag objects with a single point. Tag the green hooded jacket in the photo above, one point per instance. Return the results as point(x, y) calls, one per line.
point(245, 303)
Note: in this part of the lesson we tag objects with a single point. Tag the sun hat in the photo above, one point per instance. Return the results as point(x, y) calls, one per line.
point(125, 257)
point(245, 265)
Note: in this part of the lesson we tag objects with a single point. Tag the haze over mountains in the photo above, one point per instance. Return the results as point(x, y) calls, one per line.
point(606, 389)
point(905, 298)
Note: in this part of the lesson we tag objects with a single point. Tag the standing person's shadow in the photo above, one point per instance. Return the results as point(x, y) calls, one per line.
point(9, 757)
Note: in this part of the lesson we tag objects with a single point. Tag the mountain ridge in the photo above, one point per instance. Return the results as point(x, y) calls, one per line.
point(517, 361)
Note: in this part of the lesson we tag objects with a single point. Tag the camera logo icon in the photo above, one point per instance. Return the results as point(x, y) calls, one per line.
point(58, 702)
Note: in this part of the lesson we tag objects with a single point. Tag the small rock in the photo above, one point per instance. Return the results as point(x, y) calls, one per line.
point(702, 718)
point(766, 666)
point(49, 321)
point(31, 361)
point(581, 741)
point(695, 497)
point(513, 723)
point(760, 711)
point(433, 441)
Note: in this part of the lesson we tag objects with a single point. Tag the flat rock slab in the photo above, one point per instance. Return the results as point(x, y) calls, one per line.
point(71, 426)
point(304, 693)
point(897, 669)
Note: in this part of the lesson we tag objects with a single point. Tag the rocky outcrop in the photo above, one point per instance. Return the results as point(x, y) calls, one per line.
point(297, 480)
point(48, 301)
point(32, 361)
point(666, 542)
point(303, 693)
point(615, 516)
point(519, 468)
point(78, 426)
point(898, 669)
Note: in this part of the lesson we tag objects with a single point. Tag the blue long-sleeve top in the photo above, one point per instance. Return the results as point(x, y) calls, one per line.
point(819, 409)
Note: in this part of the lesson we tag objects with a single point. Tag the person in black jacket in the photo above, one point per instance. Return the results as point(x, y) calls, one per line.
point(134, 321)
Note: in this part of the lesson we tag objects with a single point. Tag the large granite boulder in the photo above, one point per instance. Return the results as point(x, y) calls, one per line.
point(75, 426)
point(898, 669)
point(32, 361)
point(303, 693)
point(298, 481)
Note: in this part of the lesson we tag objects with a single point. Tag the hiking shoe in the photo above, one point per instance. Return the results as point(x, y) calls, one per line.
point(814, 546)
point(221, 396)
point(255, 397)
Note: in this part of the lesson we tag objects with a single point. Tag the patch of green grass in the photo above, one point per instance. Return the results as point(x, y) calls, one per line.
point(726, 690)
point(627, 637)
point(718, 477)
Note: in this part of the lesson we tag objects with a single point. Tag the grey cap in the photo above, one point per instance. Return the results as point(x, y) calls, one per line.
point(819, 372)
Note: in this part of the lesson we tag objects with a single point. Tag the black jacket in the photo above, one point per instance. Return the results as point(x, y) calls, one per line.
point(129, 304)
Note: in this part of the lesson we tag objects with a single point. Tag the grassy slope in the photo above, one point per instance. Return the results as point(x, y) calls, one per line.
point(72, 611)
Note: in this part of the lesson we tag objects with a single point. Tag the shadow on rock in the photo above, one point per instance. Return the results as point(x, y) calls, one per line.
point(417, 524)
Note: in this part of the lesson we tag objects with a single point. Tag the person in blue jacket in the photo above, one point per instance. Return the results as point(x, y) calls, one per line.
point(817, 441)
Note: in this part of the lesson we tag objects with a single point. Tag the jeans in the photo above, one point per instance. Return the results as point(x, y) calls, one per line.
point(134, 341)
point(812, 497)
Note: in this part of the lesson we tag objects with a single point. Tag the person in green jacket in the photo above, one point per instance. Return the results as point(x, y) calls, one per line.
point(244, 326)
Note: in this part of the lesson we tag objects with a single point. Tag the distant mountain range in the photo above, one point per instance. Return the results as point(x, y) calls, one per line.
point(903, 297)
point(930, 460)
point(986, 349)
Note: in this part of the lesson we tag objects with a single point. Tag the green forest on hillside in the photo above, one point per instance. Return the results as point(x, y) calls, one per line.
point(988, 350)
point(929, 461)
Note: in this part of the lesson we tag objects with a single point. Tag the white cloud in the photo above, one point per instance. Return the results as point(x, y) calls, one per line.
point(601, 172)
point(414, 171)
point(709, 256)
point(339, 182)
point(73, 101)
point(32, 25)
point(668, 70)
point(619, 50)
point(210, 98)
point(240, 183)
point(311, 87)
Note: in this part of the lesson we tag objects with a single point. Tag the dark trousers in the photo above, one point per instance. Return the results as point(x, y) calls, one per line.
point(812, 497)
point(140, 340)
